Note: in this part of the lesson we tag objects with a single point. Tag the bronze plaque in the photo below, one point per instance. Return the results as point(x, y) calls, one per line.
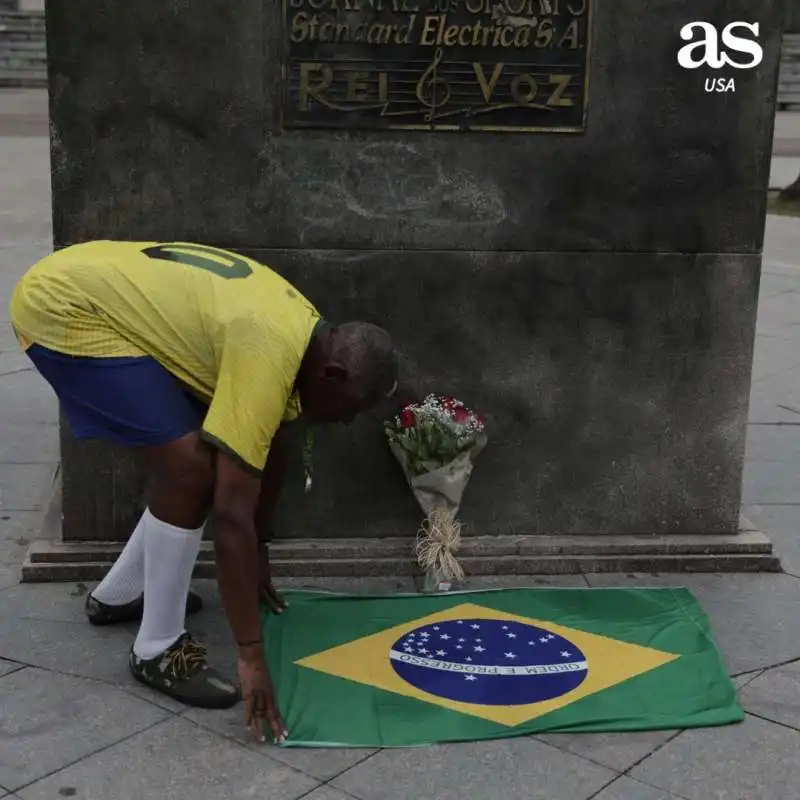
point(440, 65)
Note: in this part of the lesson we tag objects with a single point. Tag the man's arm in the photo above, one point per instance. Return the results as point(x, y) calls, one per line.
point(272, 480)
point(236, 548)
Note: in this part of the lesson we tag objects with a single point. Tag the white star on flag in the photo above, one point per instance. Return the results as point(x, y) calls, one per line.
point(422, 650)
point(467, 659)
point(436, 627)
point(462, 640)
point(459, 647)
point(511, 635)
point(505, 627)
point(511, 655)
point(470, 678)
point(565, 654)
point(478, 641)
point(475, 626)
point(444, 636)
point(478, 649)
point(441, 653)
point(532, 643)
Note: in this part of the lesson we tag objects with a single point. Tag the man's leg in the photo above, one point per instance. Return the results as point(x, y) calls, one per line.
point(136, 402)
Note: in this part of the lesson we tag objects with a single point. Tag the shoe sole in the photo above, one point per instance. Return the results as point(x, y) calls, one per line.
point(217, 703)
point(104, 621)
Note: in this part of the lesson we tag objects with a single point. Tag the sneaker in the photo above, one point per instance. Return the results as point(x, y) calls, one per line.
point(182, 672)
point(103, 614)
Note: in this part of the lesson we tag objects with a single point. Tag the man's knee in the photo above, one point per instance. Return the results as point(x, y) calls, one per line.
point(185, 476)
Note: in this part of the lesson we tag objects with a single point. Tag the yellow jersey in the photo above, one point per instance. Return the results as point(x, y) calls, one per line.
point(229, 328)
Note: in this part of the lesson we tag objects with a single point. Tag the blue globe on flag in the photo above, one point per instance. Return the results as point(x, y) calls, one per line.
point(488, 661)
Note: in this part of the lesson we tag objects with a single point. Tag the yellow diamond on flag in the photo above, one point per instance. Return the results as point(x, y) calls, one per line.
point(503, 667)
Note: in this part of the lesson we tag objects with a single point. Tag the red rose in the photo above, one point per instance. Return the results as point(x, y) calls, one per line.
point(407, 418)
point(461, 415)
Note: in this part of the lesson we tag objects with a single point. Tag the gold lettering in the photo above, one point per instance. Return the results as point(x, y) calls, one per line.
point(403, 33)
point(556, 98)
point(432, 27)
point(487, 32)
point(518, 10)
point(487, 87)
point(527, 98)
point(477, 6)
point(299, 29)
point(464, 40)
point(379, 34)
point(317, 5)
point(507, 36)
point(295, 3)
point(571, 35)
point(306, 90)
point(549, 7)
point(342, 32)
point(522, 36)
point(581, 8)
point(497, 34)
point(451, 35)
point(357, 87)
point(327, 32)
point(544, 36)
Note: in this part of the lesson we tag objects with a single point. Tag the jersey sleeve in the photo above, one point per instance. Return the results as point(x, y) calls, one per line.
point(255, 381)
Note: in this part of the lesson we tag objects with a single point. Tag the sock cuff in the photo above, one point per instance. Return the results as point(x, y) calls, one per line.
point(149, 519)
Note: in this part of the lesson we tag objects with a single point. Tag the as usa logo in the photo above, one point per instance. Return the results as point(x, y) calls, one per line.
point(489, 661)
point(736, 46)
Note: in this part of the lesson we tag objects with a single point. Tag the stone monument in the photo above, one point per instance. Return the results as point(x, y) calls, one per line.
point(557, 221)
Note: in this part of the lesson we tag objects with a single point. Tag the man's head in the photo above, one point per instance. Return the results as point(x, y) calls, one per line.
point(347, 369)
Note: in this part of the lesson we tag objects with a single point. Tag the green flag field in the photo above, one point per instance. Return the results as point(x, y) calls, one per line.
point(404, 670)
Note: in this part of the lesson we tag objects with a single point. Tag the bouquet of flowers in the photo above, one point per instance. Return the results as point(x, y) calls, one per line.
point(436, 443)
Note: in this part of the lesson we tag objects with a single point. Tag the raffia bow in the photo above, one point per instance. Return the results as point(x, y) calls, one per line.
point(438, 538)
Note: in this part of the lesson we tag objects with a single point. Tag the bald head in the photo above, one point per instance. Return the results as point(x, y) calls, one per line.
point(349, 368)
point(369, 356)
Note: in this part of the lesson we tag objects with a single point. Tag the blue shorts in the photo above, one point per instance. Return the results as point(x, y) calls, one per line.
point(132, 401)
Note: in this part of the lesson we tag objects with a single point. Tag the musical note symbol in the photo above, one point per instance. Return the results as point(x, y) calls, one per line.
point(433, 91)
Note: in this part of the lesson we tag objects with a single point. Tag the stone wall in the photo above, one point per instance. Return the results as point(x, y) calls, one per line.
point(594, 294)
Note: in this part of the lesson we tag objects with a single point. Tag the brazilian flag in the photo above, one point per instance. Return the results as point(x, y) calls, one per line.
point(384, 671)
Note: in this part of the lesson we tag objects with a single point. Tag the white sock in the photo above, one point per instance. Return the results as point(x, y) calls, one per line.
point(124, 582)
point(169, 557)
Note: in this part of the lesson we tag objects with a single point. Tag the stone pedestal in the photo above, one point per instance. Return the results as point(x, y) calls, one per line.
point(592, 290)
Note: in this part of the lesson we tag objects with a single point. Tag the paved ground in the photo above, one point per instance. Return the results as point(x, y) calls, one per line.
point(72, 723)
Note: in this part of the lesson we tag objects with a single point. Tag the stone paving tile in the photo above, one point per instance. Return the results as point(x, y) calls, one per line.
point(769, 482)
point(754, 617)
point(175, 759)
point(507, 768)
point(74, 649)
point(322, 763)
point(624, 788)
point(31, 442)
point(9, 576)
point(328, 793)
point(516, 582)
point(375, 585)
point(27, 397)
point(782, 525)
point(7, 667)
point(24, 487)
point(775, 694)
point(772, 357)
point(754, 760)
point(618, 751)
point(50, 721)
point(774, 443)
point(740, 681)
point(17, 530)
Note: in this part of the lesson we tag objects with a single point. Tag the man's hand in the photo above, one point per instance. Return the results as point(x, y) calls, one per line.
point(259, 696)
point(266, 591)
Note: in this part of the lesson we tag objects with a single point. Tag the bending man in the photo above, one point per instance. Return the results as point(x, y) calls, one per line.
point(195, 356)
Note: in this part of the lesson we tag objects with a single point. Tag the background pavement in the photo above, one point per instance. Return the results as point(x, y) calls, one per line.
point(74, 724)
